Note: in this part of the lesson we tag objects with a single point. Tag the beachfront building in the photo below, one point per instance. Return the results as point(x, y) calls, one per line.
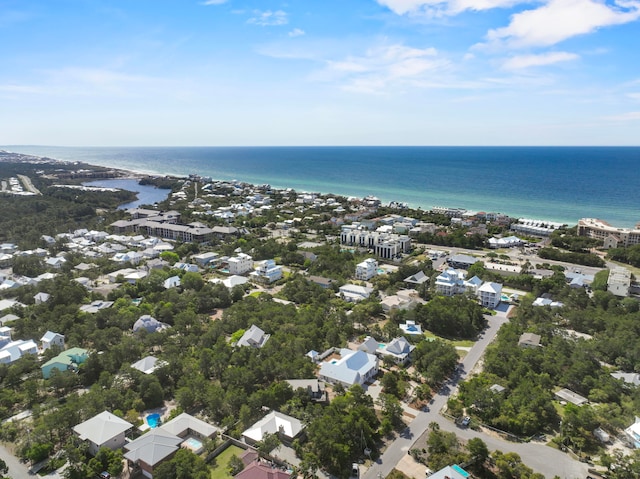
point(611, 236)
point(533, 227)
point(367, 269)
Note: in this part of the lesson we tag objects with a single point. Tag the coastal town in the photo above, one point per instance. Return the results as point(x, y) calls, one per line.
point(239, 330)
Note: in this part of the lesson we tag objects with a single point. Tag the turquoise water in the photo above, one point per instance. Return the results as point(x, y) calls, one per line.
point(194, 444)
point(153, 420)
point(551, 183)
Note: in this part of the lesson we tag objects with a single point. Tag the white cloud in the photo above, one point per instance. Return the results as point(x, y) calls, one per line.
point(213, 2)
point(634, 96)
point(526, 61)
point(559, 20)
point(269, 18)
point(629, 116)
point(384, 67)
point(296, 32)
point(435, 8)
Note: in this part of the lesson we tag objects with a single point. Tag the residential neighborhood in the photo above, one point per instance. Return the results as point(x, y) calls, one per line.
point(294, 334)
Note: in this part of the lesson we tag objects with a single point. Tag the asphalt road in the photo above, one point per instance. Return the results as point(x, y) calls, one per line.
point(540, 458)
point(17, 470)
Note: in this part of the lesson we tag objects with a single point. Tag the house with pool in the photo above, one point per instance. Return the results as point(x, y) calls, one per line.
point(162, 442)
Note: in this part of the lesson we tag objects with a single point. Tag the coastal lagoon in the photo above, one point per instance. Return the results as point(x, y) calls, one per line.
point(553, 183)
point(146, 194)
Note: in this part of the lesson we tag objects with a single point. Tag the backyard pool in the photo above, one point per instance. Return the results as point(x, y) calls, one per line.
point(153, 420)
point(194, 444)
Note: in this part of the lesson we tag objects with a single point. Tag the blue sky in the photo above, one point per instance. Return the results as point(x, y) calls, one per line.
point(319, 72)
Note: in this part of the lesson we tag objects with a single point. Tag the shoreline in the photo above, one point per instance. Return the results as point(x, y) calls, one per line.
point(407, 196)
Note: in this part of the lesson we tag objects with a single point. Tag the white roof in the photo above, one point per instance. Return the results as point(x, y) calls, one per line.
point(102, 428)
point(184, 422)
point(273, 423)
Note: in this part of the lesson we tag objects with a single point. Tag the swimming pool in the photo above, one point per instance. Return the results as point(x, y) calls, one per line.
point(194, 444)
point(153, 420)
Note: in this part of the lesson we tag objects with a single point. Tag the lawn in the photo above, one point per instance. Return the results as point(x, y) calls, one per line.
point(219, 471)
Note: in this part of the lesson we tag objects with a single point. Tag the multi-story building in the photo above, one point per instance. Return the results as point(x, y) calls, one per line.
point(450, 282)
point(611, 236)
point(489, 294)
point(243, 263)
point(367, 269)
point(619, 281)
point(269, 271)
point(384, 245)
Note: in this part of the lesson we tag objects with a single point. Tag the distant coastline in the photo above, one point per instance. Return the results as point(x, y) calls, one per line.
point(561, 184)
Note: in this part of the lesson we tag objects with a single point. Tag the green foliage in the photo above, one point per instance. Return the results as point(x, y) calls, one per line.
point(184, 465)
point(435, 360)
point(587, 259)
point(451, 316)
point(339, 435)
point(235, 465)
point(630, 255)
point(169, 256)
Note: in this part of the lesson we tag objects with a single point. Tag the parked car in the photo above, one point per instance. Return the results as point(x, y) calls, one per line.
point(355, 470)
point(465, 421)
point(104, 475)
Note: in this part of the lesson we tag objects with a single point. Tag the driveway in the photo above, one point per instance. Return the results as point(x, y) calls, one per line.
point(17, 470)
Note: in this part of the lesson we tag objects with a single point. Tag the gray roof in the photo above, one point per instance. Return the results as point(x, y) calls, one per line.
point(153, 447)
point(254, 337)
point(185, 422)
point(148, 364)
point(399, 346)
point(629, 378)
point(102, 428)
point(350, 368)
point(417, 278)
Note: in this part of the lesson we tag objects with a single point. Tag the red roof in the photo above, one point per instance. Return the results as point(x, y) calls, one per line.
point(259, 470)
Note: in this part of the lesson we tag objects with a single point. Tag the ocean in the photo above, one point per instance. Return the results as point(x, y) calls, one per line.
point(560, 184)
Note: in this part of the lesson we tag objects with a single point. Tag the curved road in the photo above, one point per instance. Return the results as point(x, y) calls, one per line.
point(540, 458)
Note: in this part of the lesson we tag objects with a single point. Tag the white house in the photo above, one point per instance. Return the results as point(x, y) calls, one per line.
point(353, 367)
point(268, 271)
point(148, 364)
point(103, 430)
point(286, 427)
point(51, 339)
point(254, 337)
point(354, 293)
point(41, 297)
point(399, 349)
point(367, 269)
point(633, 433)
point(450, 282)
point(14, 350)
point(240, 264)
point(172, 282)
point(489, 294)
point(410, 327)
